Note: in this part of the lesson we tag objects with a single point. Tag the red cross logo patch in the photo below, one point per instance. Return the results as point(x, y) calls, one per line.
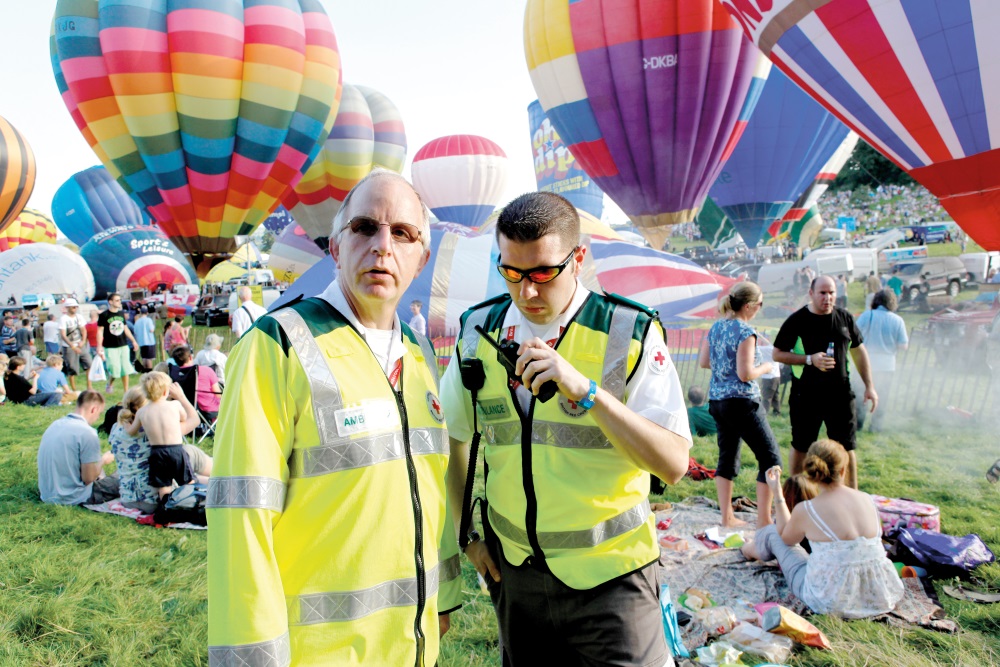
point(434, 407)
point(658, 360)
point(570, 408)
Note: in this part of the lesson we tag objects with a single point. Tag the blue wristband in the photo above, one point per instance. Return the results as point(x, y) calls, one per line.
point(587, 402)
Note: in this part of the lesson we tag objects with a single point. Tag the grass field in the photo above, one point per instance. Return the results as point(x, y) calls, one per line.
point(79, 588)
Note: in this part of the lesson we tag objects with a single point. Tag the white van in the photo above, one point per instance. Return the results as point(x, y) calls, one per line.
point(831, 234)
point(979, 264)
point(780, 277)
point(863, 261)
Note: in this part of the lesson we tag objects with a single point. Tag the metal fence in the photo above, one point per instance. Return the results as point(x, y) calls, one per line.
point(928, 378)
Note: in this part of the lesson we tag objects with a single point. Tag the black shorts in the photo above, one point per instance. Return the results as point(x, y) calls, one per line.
point(147, 351)
point(169, 464)
point(808, 412)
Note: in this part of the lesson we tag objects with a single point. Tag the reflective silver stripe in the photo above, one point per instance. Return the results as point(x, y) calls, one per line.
point(451, 569)
point(326, 396)
point(553, 434)
point(470, 337)
point(274, 653)
point(246, 492)
point(351, 605)
point(347, 454)
point(430, 358)
point(574, 539)
point(616, 353)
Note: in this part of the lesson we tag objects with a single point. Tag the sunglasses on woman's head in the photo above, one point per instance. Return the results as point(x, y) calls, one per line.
point(400, 232)
point(538, 275)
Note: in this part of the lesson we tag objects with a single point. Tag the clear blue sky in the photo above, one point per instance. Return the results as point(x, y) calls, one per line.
point(451, 66)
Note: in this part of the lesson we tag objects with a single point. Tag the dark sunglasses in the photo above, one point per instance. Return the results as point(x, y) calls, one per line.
point(400, 232)
point(538, 275)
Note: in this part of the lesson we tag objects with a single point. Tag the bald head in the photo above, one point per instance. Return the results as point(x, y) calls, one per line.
point(822, 295)
point(244, 294)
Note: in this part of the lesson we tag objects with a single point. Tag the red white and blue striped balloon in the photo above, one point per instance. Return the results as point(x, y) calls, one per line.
point(919, 80)
point(676, 287)
point(462, 178)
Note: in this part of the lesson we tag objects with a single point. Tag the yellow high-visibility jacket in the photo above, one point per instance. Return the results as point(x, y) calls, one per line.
point(556, 488)
point(326, 506)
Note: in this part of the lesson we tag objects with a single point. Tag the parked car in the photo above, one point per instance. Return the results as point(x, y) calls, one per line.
point(931, 275)
point(212, 311)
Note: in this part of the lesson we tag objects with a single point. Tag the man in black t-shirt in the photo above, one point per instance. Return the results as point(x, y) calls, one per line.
point(113, 338)
point(821, 388)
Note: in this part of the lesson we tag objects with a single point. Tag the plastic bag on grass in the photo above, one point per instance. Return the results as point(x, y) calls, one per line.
point(670, 627)
point(754, 641)
point(97, 372)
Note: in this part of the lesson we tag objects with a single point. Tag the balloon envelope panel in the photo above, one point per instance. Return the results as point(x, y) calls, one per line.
point(17, 173)
point(368, 133)
point(209, 110)
point(91, 201)
point(292, 254)
point(650, 114)
point(556, 170)
point(788, 139)
point(917, 80)
point(128, 257)
point(44, 268)
point(28, 227)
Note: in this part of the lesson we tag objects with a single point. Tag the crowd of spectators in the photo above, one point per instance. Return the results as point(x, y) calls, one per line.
point(888, 205)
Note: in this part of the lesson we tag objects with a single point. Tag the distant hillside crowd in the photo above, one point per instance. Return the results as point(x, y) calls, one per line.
point(885, 205)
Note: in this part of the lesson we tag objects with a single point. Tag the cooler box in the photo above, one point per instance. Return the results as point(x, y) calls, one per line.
point(906, 513)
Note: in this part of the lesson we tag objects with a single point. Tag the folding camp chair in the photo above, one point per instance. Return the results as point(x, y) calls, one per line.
point(187, 378)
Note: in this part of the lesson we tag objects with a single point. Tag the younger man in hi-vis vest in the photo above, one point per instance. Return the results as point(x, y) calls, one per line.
point(327, 507)
point(570, 546)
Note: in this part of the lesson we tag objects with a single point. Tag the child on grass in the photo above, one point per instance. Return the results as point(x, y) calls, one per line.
point(166, 423)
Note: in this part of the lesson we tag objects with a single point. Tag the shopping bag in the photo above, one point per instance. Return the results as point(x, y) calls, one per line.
point(97, 372)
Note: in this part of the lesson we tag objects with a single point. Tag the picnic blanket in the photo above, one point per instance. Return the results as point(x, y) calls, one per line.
point(734, 581)
point(116, 507)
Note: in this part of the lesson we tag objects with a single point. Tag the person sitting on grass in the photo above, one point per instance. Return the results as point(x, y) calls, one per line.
point(52, 379)
point(848, 573)
point(70, 463)
point(21, 390)
point(166, 423)
point(702, 422)
point(132, 456)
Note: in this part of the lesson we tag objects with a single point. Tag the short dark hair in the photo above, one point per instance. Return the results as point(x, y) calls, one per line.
point(25, 322)
point(536, 214)
point(179, 319)
point(418, 303)
point(181, 354)
point(696, 395)
point(89, 396)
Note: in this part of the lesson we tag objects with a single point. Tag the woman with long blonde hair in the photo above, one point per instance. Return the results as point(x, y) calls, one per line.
point(730, 351)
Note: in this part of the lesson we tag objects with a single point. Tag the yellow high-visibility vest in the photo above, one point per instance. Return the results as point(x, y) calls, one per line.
point(328, 536)
point(557, 489)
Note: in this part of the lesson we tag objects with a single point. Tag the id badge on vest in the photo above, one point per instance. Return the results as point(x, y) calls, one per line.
point(369, 416)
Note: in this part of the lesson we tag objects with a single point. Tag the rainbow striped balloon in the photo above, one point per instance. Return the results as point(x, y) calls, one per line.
point(368, 133)
point(17, 173)
point(461, 177)
point(29, 227)
point(210, 111)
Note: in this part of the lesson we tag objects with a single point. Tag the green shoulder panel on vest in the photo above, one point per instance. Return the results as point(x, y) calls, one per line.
point(319, 316)
point(408, 333)
point(619, 299)
point(268, 326)
point(597, 310)
point(493, 301)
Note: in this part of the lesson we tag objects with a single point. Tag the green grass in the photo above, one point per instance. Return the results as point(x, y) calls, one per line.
point(80, 588)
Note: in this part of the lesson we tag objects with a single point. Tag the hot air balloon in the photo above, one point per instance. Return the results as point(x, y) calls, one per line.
point(917, 80)
point(292, 254)
point(824, 179)
point(278, 221)
point(460, 177)
point(556, 170)
point(29, 227)
point(714, 224)
point(788, 139)
point(804, 231)
point(210, 111)
point(92, 201)
point(129, 257)
point(588, 225)
point(368, 133)
point(17, 172)
point(650, 114)
point(44, 268)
